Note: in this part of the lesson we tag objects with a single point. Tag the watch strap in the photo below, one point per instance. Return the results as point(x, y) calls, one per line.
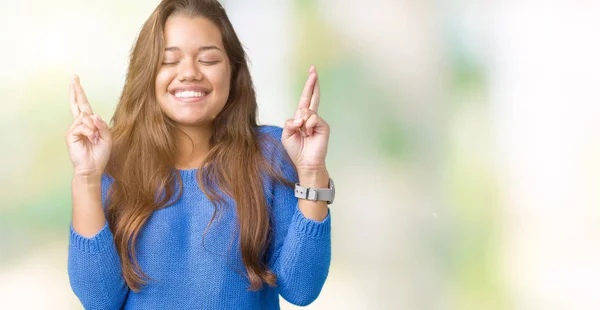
point(314, 194)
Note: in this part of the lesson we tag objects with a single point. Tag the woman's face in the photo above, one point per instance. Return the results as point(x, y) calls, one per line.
point(193, 81)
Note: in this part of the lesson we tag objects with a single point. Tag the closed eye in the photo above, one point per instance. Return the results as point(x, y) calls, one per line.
point(203, 62)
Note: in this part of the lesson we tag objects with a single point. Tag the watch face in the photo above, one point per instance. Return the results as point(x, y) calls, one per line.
point(332, 194)
point(332, 191)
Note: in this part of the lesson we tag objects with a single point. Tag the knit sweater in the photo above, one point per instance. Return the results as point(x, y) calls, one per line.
point(188, 272)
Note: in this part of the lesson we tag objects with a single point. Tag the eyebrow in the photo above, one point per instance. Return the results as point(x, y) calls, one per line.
point(202, 48)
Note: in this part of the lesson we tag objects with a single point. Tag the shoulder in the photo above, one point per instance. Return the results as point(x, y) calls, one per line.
point(270, 140)
point(274, 152)
point(272, 131)
point(107, 179)
point(107, 182)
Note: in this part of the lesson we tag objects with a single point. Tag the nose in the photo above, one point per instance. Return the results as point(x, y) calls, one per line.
point(189, 70)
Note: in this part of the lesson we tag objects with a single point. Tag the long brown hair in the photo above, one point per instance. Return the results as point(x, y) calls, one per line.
point(143, 155)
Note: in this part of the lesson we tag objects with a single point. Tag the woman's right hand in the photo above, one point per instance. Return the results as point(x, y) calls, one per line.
point(88, 138)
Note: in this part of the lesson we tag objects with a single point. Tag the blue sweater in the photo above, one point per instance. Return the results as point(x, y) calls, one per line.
point(190, 275)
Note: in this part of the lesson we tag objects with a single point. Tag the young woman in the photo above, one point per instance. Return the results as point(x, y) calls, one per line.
point(185, 202)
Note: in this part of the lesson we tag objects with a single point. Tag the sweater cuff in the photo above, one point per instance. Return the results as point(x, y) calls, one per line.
point(94, 244)
point(311, 227)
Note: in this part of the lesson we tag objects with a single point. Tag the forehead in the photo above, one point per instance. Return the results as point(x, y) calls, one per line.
point(185, 32)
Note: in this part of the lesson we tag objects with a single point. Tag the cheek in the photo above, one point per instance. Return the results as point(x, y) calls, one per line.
point(222, 80)
point(162, 82)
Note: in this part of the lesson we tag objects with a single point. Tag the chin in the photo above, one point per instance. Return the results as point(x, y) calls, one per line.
point(189, 115)
point(188, 120)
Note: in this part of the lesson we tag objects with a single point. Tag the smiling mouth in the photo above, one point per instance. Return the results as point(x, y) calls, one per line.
point(189, 96)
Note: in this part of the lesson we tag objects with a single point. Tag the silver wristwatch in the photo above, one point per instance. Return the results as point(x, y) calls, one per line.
point(314, 194)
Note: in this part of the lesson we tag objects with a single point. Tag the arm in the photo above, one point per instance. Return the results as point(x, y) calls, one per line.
point(302, 261)
point(314, 210)
point(88, 216)
point(93, 264)
point(302, 246)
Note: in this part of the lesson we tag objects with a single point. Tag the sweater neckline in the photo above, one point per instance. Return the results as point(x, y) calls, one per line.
point(188, 176)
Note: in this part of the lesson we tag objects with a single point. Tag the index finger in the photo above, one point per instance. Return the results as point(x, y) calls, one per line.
point(307, 92)
point(72, 101)
point(316, 96)
point(80, 98)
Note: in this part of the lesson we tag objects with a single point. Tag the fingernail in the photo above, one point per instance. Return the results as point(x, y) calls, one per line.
point(297, 121)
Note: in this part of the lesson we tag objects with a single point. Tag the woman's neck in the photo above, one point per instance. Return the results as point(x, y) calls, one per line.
point(193, 143)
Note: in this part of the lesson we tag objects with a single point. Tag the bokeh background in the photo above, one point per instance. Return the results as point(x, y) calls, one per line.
point(465, 141)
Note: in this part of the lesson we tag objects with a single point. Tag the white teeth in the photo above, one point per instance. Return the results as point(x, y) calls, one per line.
point(189, 94)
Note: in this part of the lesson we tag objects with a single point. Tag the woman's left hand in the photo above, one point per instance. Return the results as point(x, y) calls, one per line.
point(305, 137)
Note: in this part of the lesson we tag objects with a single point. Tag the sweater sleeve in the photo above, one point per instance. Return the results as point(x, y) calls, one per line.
point(302, 246)
point(94, 266)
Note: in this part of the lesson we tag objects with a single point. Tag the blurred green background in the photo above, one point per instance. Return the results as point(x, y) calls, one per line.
point(465, 141)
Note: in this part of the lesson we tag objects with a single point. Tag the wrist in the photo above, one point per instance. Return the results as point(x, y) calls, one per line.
point(87, 180)
point(317, 178)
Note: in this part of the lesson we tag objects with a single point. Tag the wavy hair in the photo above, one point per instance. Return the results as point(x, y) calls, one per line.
point(143, 154)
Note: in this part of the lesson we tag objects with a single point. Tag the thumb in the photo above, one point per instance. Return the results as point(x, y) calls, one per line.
point(290, 128)
point(102, 127)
